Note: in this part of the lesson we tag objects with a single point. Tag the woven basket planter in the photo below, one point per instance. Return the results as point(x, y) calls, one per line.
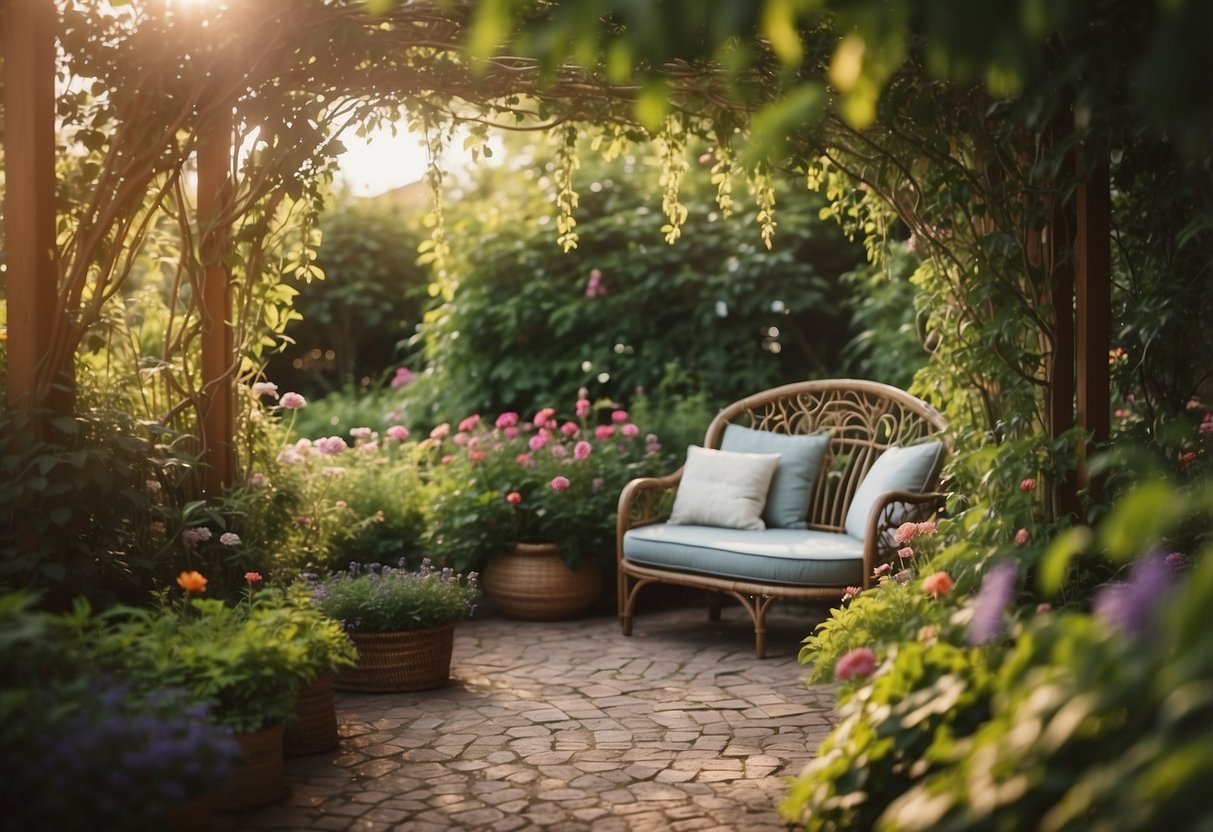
point(399, 661)
point(315, 726)
point(257, 780)
point(531, 582)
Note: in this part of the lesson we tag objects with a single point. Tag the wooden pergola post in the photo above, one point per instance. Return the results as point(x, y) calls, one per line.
point(29, 198)
point(218, 415)
point(1093, 296)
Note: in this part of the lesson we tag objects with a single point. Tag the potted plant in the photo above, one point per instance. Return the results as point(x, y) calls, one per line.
point(402, 622)
point(247, 662)
point(534, 502)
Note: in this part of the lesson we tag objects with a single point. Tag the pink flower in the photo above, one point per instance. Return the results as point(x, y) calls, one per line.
point(618, 416)
point(513, 498)
point(851, 592)
point(266, 388)
point(1187, 458)
point(857, 664)
point(604, 432)
point(361, 433)
point(403, 376)
point(581, 450)
point(469, 423)
point(560, 483)
point(880, 570)
point(511, 432)
point(523, 459)
point(570, 429)
point(507, 420)
point(544, 416)
point(1028, 484)
point(594, 287)
point(558, 452)
point(905, 532)
point(1207, 425)
point(229, 539)
point(447, 459)
point(905, 553)
point(630, 431)
point(293, 401)
point(652, 448)
point(460, 439)
point(597, 484)
point(398, 433)
point(1044, 607)
point(537, 442)
point(476, 455)
point(1022, 537)
point(253, 577)
point(195, 535)
point(928, 528)
point(441, 431)
point(583, 408)
point(937, 585)
point(1122, 413)
point(330, 445)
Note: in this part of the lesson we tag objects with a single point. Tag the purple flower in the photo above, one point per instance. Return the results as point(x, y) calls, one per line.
point(997, 589)
point(1130, 607)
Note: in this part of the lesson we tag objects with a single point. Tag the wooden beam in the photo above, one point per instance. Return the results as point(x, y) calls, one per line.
point(1060, 265)
point(29, 199)
point(218, 359)
point(1093, 292)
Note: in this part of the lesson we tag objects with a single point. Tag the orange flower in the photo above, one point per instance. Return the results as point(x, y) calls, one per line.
point(192, 581)
point(937, 585)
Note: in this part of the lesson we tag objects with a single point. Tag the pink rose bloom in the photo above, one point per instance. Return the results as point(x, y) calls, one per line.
point(511, 432)
point(523, 459)
point(570, 429)
point(229, 539)
point(630, 431)
point(507, 420)
point(441, 431)
point(293, 401)
point(1028, 484)
point(559, 452)
point(597, 484)
point(560, 483)
point(544, 416)
point(581, 450)
point(253, 577)
point(361, 433)
point(447, 459)
point(476, 456)
point(398, 433)
point(460, 439)
point(403, 376)
point(266, 388)
point(513, 498)
point(618, 416)
point(905, 553)
point(857, 664)
point(330, 445)
point(469, 423)
point(1022, 537)
point(937, 585)
point(905, 532)
point(537, 442)
point(604, 432)
point(583, 408)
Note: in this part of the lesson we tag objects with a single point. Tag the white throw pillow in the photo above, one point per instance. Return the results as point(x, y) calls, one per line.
point(723, 488)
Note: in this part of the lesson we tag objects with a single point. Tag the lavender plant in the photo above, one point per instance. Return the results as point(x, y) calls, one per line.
point(376, 598)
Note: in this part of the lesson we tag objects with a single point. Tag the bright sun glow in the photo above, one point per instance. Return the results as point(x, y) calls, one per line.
point(385, 162)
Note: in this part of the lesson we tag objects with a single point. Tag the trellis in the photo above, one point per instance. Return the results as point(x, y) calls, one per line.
point(1079, 235)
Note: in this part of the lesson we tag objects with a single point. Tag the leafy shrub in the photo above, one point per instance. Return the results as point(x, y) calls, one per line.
point(380, 599)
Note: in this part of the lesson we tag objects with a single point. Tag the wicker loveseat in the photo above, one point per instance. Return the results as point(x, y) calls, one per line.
point(857, 422)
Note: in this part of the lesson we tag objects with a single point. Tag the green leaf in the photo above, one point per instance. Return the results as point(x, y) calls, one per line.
point(1058, 556)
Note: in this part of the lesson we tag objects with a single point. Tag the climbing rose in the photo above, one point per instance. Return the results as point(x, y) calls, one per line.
point(581, 450)
point(192, 581)
point(1022, 537)
point(857, 664)
point(293, 401)
point(560, 483)
point(229, 539)
point(513, 498)
point(937, 585)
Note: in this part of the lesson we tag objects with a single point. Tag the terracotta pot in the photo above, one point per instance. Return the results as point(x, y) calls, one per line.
point(258, 779)
point(531, 582)
point(314, 728)
point(400, 661)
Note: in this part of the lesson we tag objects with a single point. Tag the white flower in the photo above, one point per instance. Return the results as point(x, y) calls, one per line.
point(229, 539)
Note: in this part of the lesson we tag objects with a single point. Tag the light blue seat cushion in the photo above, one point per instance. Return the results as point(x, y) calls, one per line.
point(796, 557)
point(897, 469)
point(799, 461)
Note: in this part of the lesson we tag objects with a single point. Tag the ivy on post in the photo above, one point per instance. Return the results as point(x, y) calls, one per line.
point(217, 405)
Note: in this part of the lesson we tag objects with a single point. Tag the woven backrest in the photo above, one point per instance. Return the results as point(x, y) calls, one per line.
point(862, 418)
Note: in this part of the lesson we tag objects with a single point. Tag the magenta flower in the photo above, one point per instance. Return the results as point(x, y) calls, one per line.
point(630, 431)
point(857, 664)
point(560, 483)
point(293, 401)
point(604, 432)
point(594, 287)
point(511, 432)
point(507, 420)
point(403, 376)
point(538, 441)
point(544, 416)
point(618, 416)
point(583, 408)
point(570, 429)
point(469, 423)
point(398, 433)
point(1177, 561)
point(581, 450)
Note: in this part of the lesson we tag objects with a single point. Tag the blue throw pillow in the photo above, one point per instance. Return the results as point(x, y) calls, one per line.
point(800, 459)
point(897, 469)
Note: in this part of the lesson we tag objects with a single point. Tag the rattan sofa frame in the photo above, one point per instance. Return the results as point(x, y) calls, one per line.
point(862, 419)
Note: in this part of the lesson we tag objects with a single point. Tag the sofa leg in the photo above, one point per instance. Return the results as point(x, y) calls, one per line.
point(715, 602)
point(627, 596)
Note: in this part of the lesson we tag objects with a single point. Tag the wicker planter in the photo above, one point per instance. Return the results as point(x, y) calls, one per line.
point(315, 726)
point(257, 780)
point(399, 661)
point(531, 582)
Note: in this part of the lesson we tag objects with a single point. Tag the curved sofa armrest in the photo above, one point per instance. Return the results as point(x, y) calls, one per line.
point(890, 510)
point(640, 504)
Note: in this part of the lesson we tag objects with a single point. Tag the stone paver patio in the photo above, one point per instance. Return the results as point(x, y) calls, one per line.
point(570, 726)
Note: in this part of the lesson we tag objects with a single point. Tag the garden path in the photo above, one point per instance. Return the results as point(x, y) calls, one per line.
point(569, 726)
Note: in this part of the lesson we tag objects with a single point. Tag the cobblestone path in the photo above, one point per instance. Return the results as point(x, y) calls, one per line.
point(570, 726)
